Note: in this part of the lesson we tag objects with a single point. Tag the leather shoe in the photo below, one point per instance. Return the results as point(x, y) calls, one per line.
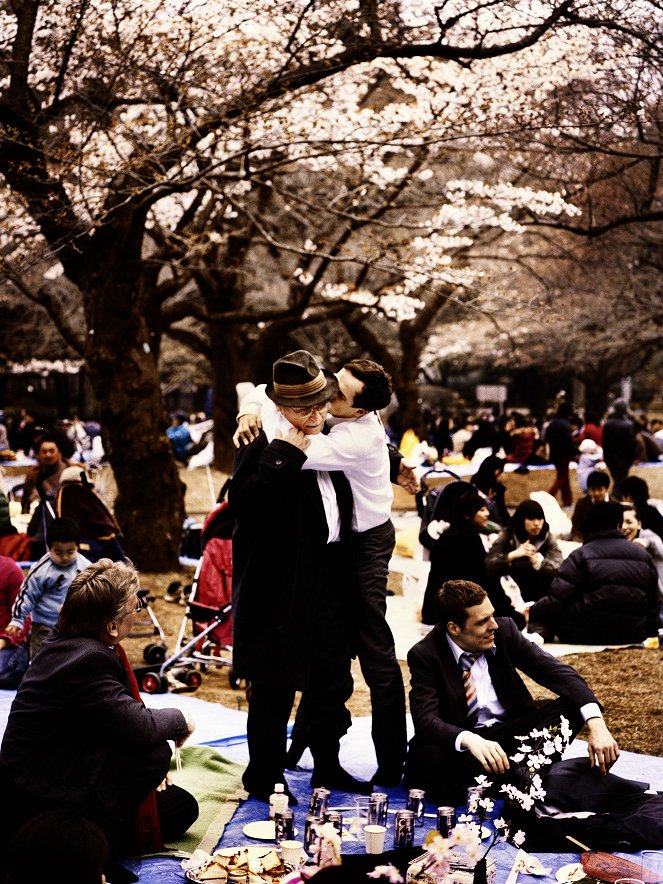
point(340, 780)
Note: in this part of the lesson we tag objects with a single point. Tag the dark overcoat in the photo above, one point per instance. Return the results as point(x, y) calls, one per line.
point(280, 565)
point(73, 712)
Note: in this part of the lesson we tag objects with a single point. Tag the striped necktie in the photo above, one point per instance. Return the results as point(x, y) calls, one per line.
point(466, 661)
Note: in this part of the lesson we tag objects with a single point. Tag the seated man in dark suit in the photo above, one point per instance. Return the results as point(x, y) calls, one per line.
point(470, 726)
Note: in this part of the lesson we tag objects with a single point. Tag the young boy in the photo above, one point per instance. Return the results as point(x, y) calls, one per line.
point(598, 483)
point(47, 583)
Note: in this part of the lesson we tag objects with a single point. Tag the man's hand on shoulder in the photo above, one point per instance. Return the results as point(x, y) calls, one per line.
point(491, 755)
point(407, 478)
point(248, 429)
point(601, 746)
point(294, 437)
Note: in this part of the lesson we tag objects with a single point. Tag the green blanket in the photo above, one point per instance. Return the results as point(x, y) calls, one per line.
point(216, 783)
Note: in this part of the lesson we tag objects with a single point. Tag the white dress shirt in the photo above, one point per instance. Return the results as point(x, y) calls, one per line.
point(491, 710)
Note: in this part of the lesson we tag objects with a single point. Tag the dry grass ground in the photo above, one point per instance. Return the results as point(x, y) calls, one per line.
point(628, 682)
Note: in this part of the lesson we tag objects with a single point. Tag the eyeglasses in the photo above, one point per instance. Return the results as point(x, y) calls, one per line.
point(311, 410)
point(141, 604)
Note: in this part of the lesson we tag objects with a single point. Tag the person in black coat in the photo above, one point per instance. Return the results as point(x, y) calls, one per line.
point(606, 591)
point(77, 738)
point(291, 581)
point(619, 443)
point(459, 553)
point(559, 439)
point(452, 743)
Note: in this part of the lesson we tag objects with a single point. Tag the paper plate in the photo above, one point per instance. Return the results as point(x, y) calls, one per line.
point(263, 830)
point(569, 873)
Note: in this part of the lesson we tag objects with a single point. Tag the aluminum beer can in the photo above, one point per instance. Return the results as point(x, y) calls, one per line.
point(415, 802)
point(310, 835)
point(446, 820)
point(378, 804)
point(404, 828)
point(284, 825)
point(319, 802)
point(472, 809)
point(335, 817)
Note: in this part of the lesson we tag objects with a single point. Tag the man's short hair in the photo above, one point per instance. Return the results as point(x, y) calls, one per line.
point(598, 479)
point(635, 488)
point(453, 599)
point(63, 530)
point(604, 516)
point(378, 386)
point(96, 597)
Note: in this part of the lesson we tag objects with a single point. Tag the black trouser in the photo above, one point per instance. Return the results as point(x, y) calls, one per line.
point(445, 774)
point(322, 702)
point(126, 780)
point(371, 553)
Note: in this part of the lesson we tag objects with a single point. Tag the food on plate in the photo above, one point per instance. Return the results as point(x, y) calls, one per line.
point(214, 870)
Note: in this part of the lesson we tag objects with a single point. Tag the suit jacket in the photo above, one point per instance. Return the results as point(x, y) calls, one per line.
point(437, 695)
point(73, 711)
point(280, 561)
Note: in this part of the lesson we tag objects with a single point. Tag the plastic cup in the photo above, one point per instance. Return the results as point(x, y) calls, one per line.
point(652, 866)
point(374, 836)
point(360, 818)
point(291, 851)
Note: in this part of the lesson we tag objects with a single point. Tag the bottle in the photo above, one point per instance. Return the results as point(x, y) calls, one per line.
point(278, 800)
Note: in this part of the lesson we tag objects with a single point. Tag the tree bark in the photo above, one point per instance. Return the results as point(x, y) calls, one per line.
point(123, 374)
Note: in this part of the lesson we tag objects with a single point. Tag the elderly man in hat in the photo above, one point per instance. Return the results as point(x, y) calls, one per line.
point(290, 550)
point(357, 444)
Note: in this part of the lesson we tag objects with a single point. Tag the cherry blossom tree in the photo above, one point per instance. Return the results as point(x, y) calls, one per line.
point(162, 160)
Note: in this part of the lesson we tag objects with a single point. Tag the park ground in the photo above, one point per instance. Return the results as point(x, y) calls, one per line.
point(627, 681)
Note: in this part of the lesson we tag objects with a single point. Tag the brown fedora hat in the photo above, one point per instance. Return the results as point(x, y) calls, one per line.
point(298, 380)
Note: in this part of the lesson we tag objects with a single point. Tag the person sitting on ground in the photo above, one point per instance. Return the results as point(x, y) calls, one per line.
point(598, 483)
point(72, 849)
point(79, 738)
point(487, 482)
point(635, 491)
point(526, 551)
point(47, 583)
point(76, 499)
point(14, 657)
point(41, 485)
point(180, 438)
point(606, 591)
point(460, 554)
point(647, 539)
point(470, 725)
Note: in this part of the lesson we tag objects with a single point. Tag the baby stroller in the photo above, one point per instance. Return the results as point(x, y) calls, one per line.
point(205, 634)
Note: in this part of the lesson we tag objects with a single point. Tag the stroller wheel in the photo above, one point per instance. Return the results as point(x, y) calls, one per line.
point(153, 683)
point(154, 653)
point(193, 679)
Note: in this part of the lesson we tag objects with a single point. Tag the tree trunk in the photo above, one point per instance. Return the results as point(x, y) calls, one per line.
point(406, 381)
point(123, 374)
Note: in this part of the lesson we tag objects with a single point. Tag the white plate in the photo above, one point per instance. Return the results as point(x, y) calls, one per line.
point(569, 873)
point(263, 830)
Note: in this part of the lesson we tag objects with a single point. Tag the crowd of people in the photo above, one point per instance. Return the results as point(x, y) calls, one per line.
point(619, 440)
point(311, 496)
